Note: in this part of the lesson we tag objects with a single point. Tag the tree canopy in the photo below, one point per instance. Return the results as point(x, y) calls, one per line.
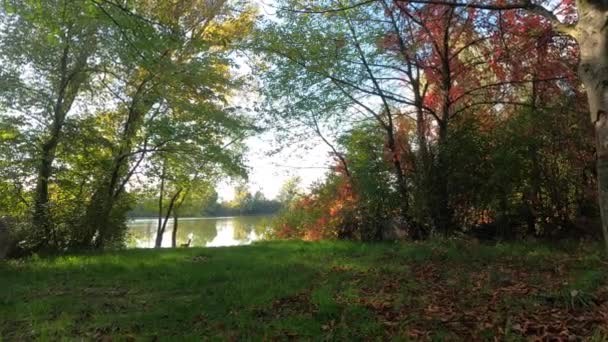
point(442, 117)
point(97, 94)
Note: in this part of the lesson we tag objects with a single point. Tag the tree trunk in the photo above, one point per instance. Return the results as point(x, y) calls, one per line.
point(176, 213)
point(41, 216)
point(159, 236)
point(401, 181)
point(159, 230)
point(601, 132)
point(174, 233)
point(98, 211)
point(108, 194)
point(533, 196)
point(592, 36)
point(389, 127)
point(533, 191)
point(67, 89)
point(443, 216)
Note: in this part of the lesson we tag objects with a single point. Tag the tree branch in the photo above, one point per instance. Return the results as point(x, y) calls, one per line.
point(528, 5)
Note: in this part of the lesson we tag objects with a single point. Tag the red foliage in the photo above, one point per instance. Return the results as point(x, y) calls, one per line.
point(473, 59)
point(321, 215)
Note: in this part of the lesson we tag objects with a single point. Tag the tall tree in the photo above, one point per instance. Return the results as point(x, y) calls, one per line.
point(181, 68)
point(334, 62)
point(91, 90)
point(50, 45)
point(585, 22)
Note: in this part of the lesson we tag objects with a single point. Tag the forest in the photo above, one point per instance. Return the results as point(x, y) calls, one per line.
point(470, 134)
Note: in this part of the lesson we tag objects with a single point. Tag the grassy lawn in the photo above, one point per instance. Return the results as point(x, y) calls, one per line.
point(310, 291)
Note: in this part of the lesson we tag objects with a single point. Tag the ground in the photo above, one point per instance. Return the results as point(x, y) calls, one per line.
point(450, 290)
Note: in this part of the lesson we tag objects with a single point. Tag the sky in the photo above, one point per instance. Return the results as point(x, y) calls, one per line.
point(267, 173)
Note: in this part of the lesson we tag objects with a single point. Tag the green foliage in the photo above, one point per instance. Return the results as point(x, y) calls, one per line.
point(360, 204)
point(95, 94)
point(372, 181)
point(15, 166)
point(290, 192)
point(531, 172)
point(455, 133)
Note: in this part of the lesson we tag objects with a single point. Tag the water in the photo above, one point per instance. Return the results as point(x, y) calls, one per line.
point(205, 232)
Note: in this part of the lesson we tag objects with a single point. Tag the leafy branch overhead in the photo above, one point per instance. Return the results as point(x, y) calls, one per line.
point(103, 89)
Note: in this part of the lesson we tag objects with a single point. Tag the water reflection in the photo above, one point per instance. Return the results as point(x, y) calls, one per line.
point(205, 232)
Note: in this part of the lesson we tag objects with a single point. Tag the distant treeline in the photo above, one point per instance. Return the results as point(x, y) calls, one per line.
point(243, 204)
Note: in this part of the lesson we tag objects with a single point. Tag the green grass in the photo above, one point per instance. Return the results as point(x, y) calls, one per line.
point(309, 291)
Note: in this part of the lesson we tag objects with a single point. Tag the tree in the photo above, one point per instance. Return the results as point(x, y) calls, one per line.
point(370, 182)
point(588, 27)
point(15, 168)
point(48, 50)
point(290, 191)
point(463, 66)
point(93, 91)
point(188, 166)
point(585, 22)
point(338, 79)
point(243, 200)
point(423, 62)
point(198, 190)
point(182, 70)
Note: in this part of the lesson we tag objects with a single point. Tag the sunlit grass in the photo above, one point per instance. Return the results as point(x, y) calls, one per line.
point(282, 290)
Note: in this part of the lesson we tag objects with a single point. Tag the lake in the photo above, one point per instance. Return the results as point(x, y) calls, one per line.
point(205, 232)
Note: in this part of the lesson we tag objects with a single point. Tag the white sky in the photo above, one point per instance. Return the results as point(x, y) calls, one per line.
point(268, 173)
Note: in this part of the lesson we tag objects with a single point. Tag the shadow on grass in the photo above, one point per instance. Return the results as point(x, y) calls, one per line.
point(284, 290)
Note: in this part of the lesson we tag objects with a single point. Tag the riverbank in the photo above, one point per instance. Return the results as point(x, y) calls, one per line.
point(325, 290)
